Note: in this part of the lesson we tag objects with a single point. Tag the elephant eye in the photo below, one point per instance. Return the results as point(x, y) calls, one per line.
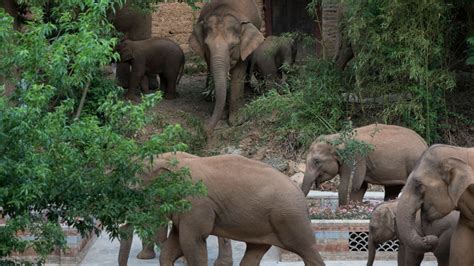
point(316, 161)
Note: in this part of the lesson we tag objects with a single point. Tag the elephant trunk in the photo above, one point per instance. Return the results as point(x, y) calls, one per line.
point(372, 250)
point(308, 181)
point(220, 66)
point(409, 203)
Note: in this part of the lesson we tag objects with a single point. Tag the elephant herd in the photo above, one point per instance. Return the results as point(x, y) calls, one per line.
point(226, 34)
point(252, 202)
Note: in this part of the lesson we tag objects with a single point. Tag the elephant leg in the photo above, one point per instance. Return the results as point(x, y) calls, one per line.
point(147, 252)
point(125, 244)
point(401, 254)
point(122, 74)
point(391, 192)
point(171, 249)
point(462, 242)
point(296, 235)
point(152, 82)
point(358, 195)
point(413, 258)
point(144, 84)
point(194, 228)
point(225, 252)
point(254, 254)
point(236, 91)
point(163, 84)
point(171, 87)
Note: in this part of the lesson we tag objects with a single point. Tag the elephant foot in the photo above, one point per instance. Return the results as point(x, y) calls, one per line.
point(223, 262)
point(146, 254)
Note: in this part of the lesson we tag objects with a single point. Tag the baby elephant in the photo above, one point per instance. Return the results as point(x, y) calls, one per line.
point(151, 57)
point(270, 56)
point(246, 200)
point(382, 228)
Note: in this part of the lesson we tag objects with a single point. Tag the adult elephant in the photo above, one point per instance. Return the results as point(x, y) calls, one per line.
point(246, 200)
point(225, 34)
point(442, 181)
point(396, 151)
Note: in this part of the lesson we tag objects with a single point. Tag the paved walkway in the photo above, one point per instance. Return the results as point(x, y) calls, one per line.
point(105, 253)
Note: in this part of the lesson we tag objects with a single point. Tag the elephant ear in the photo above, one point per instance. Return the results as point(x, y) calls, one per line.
point(157, 167)
point(196, 40)
point(459, 176)
point(250, 39)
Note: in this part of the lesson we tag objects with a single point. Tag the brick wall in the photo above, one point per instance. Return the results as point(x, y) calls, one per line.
point(175, 21)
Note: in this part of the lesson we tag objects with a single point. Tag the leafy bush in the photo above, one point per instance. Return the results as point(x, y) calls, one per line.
point(309, 105)
point(61, 165)
point(401, 49)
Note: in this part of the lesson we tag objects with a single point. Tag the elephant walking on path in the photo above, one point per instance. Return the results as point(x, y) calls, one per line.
point(396, 151)
point(442, 181)
point(225, 34)
point(246, 200)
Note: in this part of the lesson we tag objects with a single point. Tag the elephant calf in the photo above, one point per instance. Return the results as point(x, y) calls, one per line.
point(396, 151)
point(151, 57)
point(270, 56)
point(246, 200)
point(382, 227)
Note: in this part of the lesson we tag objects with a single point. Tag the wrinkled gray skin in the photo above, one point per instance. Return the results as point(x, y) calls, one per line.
point(246, 200)
point(150, 57)
point(225, 34)
point(396, 151)
point(135, 25)
point(269, 57)
point(148, 249)
point(442, 181)
point(382, 227)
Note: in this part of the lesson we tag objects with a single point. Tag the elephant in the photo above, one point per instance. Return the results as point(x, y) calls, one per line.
point(396, 151)
point(382, 227)
point(442, 181)
point(225, 34)
point(135, 24)
point(270, 56)
point(246, 200)
point(153, 56)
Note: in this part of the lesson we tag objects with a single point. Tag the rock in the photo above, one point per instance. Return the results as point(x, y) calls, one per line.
point(297, 178)
point(294, 167)
point(277, 162)
point(233, 150)
point(259, 154)
point(301, 167)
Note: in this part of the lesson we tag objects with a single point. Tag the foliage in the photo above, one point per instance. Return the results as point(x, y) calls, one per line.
point(401, 49)
point(351, 211)
point(60, 169)
point(307, 106)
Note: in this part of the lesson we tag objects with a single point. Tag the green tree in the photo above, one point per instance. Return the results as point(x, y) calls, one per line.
point(57, 166)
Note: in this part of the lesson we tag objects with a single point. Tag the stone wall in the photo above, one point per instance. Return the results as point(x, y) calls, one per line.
point(175, 21)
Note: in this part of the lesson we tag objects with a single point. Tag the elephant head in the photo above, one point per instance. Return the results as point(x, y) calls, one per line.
point(322, 164)
point(125, 49)
point(223, 40)
point(435, 187)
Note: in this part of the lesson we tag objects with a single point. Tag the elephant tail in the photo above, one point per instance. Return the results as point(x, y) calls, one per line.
point(181, 72)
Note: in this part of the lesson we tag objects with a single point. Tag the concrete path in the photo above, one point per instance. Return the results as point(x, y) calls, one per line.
point(104, 253)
